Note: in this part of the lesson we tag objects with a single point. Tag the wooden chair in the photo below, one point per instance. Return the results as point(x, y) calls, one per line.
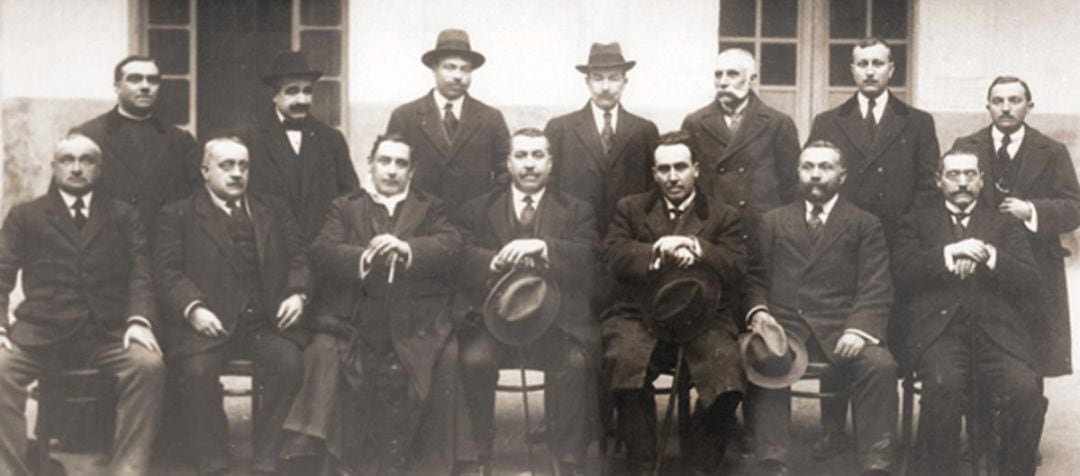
point(244, 368)
point(63, 394)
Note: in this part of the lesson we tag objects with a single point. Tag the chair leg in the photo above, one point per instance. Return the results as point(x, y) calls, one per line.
point(683, 391)
point(46, 406)
point(907, 451)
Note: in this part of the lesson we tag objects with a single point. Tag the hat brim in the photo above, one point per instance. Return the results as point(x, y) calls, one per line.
point(625, 66)
point(525, 331)
point(798, 366)
point(272, 79)
point(431, 58)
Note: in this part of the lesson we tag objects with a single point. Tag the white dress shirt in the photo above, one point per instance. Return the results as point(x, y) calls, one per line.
point(598, 118)
point(826, 209)
point(879, 105)
point(950, 262)
point(296, 138)
point(69, 200)
point(455, 105)
point(730, 118)
point(519, 200)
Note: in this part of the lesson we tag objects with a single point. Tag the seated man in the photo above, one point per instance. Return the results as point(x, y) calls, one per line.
point(529, 225)
point(89, 302)
point(824, 276)
point(233, 277)
point(965, 267)
point(674, 226)
point(379, 373)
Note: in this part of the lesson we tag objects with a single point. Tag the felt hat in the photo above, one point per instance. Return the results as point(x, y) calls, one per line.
point(679, 303)
point(290, 64)
point(605, 55)
point(452, 42)
point(772, 358)
point(521, 306)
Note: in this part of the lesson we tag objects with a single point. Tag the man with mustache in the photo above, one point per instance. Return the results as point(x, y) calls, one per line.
point(89, 303)
point(1031, 177)
point(233, 279)
point(294, 156)
point(967, 268)
point(824, 276)
point(891, 150)
point(459, 144)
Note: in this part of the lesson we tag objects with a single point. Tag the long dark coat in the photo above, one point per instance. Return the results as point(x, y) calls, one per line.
point(1047, 178)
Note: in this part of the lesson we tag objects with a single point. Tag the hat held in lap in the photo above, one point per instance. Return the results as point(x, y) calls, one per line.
point(521, 307)
point(679, 302)
point(772, 359)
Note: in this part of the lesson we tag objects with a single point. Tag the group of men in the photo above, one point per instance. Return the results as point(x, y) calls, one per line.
point(596, 250)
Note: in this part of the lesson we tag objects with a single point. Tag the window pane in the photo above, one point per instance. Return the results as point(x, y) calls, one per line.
point(737, 17)
point(274, 16)
point(326, 102)
point(890, 19)
point(169, 12)
point(778, 18)
point(899, 77)
point(847, 19)
point(170, 49)
point(840, 65)
point(173, 100)
point(746, 46)
point(323, 50)
point(778, 64)
point(320, 12)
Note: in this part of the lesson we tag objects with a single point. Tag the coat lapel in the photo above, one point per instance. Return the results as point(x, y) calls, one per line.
point(1032, 156)
point(754, 122)
point(893, 123)
point(623, 133)
point(552, 214)
point(794, 222)
point(411, 214)
point(656, 219)
point(96, 221)
point(851, 122)
point(838, 221)
point(262, 220)
point(430, 121)
point(211, 222)
point(310, 156)
point(499, 217)
point(585, 129)
point(281, 152)
point(61, 219)
point(467, 126)
point(711, 124)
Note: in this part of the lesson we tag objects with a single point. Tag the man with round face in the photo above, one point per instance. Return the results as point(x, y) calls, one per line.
point(89, 297)
point(459, 143)
point(824, 277)
point(543, 229)
point(970, 273)
point(1031, 177)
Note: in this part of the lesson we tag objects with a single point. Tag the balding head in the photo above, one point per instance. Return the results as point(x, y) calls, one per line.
point(736, 72)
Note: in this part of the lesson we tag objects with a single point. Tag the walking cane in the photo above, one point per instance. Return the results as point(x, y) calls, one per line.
point(525, 403)
point(666, 429)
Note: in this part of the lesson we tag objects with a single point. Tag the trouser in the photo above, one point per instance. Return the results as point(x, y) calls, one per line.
point(569, 394)
point(872, 386)
point(140, 376)
point(278, 372)
point(1006, 386)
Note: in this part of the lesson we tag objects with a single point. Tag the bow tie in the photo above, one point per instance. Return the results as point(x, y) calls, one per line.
point(297, 125)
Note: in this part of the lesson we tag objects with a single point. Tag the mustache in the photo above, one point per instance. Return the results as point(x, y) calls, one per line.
point(299, 108)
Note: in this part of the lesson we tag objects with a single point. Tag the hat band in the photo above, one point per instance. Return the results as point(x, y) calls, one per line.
point(606, 60)
point(453, 45)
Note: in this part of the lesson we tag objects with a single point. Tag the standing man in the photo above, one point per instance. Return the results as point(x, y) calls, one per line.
point(530, 225)
point(233, 277)
point(294, 156)
point(459, 145)
point(144, 161)
point(1031, 177)
point(824, 276)
point(677, 226)
point(89, 302)
point(967, 267)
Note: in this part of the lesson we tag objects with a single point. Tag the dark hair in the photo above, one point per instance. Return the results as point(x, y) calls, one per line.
point(960, 150)
point(824, 144)
point(675, 138)
point(390, 137)
point(528, 132)
point(118, 71)
point(871, 41)
point(1009, 80)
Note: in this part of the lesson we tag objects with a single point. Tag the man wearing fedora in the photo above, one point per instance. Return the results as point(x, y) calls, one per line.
point(824, 276)
point(459, 144)
point(379, 373)
point(535, 243)
point(294, 156)
point(679, 259)
point(968, 269)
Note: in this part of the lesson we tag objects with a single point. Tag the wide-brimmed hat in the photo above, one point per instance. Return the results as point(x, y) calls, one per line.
point(772, 358)
point(290, 64)
point(521, 307)
point(679, 303)
point(452, 42)
point(605, 55)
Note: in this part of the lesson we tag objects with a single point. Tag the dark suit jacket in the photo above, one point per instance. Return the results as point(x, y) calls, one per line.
point(584, 171)
point(884, 176)
point(565, 223)
point(150, 174)
point(417, 304)
point(1047, 178)
point(754, 170)
point(195, 259)
point(460, 170)
point(839, 282)
point(937, 295)
point(308, 183)
point(101, 275)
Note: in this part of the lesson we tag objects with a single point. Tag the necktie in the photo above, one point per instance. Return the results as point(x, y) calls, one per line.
point(871, 122)
point(815, 223)
point(450, 121)
point(675, 213)
point(528, 212)
point(1003, 166)
point(734, 119)
point(233, 206)
point(608, 134)
point(80, 217)
point(959, 229)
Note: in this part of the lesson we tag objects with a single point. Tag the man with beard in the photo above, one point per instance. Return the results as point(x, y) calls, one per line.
point(824, 276)
point(966, 266)
point(459, 145)
point(294, 156)
point(1031, 177)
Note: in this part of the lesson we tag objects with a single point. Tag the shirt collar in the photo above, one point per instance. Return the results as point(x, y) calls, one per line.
point(682, 207)
point(220, 203)
point(69, 199)
point(120, 110)
point(440, 102)
point(519, 196)
point(598, 116)
point(955, 209)
point(738, 109)
point(879, 103)
point(826, 208)
point(390, 202)
point(1016, 137)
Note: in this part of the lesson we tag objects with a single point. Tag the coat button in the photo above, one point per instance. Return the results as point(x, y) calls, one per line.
point(723, 170)
point(742, 170)
point(746, 237)
point(881, 170)
point(742, 203)
point(944, 312)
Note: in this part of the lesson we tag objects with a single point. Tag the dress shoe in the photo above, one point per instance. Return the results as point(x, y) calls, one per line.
point(771, 467)
point(831, 444)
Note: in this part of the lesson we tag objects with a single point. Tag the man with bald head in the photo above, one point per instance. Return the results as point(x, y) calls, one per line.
point(89, 303)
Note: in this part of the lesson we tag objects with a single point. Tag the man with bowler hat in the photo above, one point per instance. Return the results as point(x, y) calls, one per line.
point(295, 157)
point(824, 276)
point(674, 226)
point(531, 226)
point(459, 143)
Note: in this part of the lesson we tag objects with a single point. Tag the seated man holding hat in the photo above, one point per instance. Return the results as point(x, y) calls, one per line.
point(824, 277)
point(535, 244)
point(679, 260)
